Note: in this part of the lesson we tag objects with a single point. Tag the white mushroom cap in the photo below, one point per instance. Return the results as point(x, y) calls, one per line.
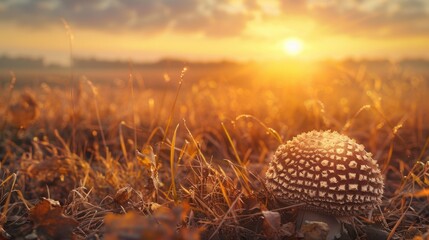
point(327, 171)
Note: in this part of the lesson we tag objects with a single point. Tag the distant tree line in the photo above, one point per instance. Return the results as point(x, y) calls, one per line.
point(21, 62)
point(7, 62)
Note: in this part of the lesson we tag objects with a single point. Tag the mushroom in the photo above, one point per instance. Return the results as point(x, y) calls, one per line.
point(332, 175)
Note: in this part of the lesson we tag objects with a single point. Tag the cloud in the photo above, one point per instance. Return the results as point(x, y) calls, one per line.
point(121, 15)
point(382, 18)
point(223, 18)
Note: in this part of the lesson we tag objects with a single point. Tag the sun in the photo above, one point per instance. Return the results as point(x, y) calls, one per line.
point(293, 46)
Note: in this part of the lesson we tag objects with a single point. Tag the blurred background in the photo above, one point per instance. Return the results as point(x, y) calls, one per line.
point(206, 30)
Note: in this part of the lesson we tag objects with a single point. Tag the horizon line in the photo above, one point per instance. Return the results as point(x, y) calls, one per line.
point(183, 60)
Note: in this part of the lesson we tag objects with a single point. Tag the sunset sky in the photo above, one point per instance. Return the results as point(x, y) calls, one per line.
point(215, 29)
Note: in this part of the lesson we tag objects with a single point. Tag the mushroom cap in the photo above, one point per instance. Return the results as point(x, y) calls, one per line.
point(327, 171)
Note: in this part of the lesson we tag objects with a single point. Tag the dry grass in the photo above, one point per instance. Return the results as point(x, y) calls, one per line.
point(192, 158)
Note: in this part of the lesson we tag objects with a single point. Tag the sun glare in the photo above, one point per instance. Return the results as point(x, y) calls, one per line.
point(292, 46)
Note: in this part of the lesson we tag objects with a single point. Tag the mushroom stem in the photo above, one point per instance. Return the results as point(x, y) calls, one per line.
point(335, 226)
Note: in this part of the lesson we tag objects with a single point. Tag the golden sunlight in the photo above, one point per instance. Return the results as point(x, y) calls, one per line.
point(293, 46)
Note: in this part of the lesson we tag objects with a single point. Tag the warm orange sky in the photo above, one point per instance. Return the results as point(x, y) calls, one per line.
point(215, 30)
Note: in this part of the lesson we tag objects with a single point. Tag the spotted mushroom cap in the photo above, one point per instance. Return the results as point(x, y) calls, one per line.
point(327, 171)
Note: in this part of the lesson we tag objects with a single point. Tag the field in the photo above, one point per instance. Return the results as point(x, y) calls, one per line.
point(181, 153)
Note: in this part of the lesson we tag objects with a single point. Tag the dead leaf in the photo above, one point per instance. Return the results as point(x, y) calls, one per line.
point(163, 224)
point(146, 157)
point(272, 223)
point(123, 195)
point(50, 222)
point(148, 160)
point(286, 230)
point(314, 230)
